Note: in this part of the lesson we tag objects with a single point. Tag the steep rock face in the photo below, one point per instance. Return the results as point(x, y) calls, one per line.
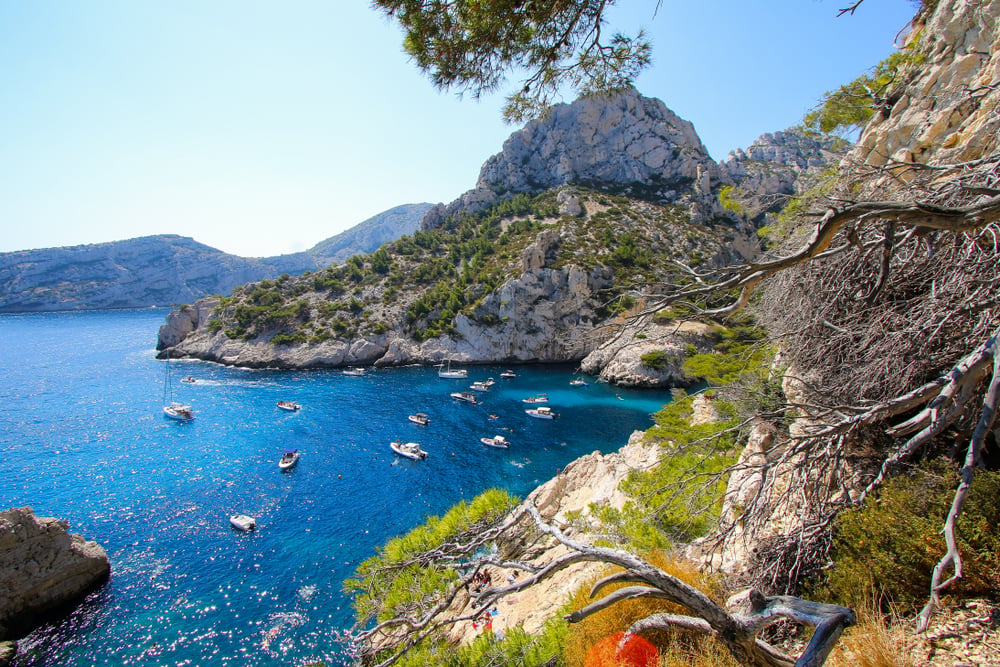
point(624, 140)
point(42, 568)
point(532, 308)
point(947, 113)
point(153, 270)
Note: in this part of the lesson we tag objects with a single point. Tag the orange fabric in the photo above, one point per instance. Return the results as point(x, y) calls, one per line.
point(621, 650)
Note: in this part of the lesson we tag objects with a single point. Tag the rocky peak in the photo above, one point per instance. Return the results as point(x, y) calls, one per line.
point(622, 141)
point(792, 150)
point(778, 165)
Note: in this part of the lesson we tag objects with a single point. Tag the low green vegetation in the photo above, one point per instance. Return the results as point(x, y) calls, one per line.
point(420, 283)
point(886, 549)
point(851, 106)
point(398, 580)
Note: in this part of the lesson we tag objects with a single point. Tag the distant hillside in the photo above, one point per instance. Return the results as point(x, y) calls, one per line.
point(367, 236)
point(169, 269)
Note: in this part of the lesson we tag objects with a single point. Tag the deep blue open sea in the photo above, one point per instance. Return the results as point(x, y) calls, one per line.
point(83, 437)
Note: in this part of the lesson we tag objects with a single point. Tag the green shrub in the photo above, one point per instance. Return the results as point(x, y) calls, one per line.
point(888, 548)
point(679, 498)
point(288, 339)
point(656, 359)
point(394, 581)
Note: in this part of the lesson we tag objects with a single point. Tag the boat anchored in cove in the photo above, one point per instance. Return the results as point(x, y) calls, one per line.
point(410, 450)
point(171, 408)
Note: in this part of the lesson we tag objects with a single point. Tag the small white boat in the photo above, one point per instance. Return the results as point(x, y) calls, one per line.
point(536, 399)
point(190, 379)
point(289, 459)
point(543, 412)
point(420, 418)
point(290, 406)
point(497, 441)
point(508, 374)
point(578, 382)
point(354, 371)
point(182, 413)
point(243, 522)
point(410, 450)
point(466, 396)
point(479, 386)
point(449, 374)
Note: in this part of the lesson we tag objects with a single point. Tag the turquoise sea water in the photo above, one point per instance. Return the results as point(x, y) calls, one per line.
point(84, 438)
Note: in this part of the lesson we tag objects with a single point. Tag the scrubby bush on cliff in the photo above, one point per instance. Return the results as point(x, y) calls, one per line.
point(887, 549)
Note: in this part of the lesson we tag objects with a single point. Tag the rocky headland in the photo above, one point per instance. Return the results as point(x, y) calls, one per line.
point(43, 569)
point(541, 262)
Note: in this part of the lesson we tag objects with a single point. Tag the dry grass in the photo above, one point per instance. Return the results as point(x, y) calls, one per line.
point(876, 641)
point(674, 646)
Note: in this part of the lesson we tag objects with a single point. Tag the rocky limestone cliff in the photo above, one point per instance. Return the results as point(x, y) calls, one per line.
point(621, 141)
point(619, 359)
point(776, 166)
point(43, 568)
point(547, 308)
point(947, 113)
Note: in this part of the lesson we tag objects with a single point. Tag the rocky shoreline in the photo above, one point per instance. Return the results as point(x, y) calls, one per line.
point(43, 569)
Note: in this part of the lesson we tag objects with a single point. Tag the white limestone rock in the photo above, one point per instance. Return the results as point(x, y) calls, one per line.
point(42, 568)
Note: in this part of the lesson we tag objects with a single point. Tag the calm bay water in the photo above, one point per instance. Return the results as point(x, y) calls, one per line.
point(84, 439)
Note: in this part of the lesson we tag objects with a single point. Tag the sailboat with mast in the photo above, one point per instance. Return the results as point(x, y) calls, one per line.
point(171, 408)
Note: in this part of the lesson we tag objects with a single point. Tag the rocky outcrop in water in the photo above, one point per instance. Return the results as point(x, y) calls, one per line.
point(620, 360)
point(43, 568)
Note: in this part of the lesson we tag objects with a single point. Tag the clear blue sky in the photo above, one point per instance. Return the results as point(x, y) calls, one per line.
point(264, 127)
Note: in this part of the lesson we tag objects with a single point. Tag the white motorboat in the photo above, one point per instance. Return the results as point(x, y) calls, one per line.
point(449, 374)
point(508, 374)
point(410, 450)
point(289, 459)
point(243, 522)
point(543, 412)
point(190, 379)
point(497, 441)
point(578, 382)
point(536, 399)
point(182, 413)
point(466, 396)
point(420, 418)
point(479, 386)
point(354, 371)
point(289, 406)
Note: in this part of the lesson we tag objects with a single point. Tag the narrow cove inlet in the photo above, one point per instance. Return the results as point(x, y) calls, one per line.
point(86, 440)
